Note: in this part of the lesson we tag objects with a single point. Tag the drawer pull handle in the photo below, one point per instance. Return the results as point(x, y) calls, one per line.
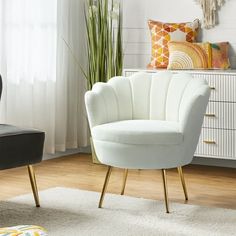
point(212, 88)
point(209, 142)
point(210, 115)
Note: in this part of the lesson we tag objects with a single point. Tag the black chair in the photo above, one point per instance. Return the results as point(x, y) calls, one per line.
point(21, 147)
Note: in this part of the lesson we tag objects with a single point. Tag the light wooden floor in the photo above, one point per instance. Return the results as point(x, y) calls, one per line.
point(209, 186)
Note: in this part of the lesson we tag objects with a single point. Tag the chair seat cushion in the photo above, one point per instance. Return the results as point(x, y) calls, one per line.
point(139, 132)
point(20, 146)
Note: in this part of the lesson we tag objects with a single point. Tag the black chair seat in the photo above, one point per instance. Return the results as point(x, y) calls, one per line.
point(20, 147)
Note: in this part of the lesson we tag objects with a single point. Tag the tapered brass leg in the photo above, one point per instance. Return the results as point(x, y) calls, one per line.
point(163, 172)
point(33, 184)
point(105, 186)
point(124, 181)
point(181, 175)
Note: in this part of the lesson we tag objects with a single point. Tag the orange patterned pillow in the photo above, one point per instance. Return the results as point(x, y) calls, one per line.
point(162, 33)
point(220, 57)
point(185, 55)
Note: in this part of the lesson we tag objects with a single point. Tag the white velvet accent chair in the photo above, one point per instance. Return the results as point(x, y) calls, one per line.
point(147, 121)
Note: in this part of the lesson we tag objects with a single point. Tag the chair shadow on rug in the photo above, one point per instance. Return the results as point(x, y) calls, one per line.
point(147, 121)
point(19, 214)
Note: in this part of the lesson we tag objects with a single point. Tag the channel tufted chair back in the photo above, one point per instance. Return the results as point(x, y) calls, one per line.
point(161, 96)
point(147, 121)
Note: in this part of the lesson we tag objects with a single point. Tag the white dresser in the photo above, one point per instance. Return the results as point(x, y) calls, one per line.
point(218, 136)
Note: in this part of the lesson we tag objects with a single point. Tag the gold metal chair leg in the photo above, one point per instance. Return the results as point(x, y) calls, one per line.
point(163, 172)
point(124, 181)
point(181, 175)
point(105, 186)
point(33, 184)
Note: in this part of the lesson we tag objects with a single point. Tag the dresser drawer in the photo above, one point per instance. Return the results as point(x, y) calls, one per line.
point(222, 86)
point(215, 142)
point(221, 115)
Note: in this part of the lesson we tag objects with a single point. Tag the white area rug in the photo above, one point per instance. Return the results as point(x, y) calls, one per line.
point(74, 212)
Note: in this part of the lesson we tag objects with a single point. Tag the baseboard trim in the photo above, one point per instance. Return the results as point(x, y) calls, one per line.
point(214, 162)
point(68, 152)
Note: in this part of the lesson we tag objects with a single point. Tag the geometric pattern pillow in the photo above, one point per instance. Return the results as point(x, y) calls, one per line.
point(162, 33)
point(220, 55)
point(23, 230)
point(184, 55)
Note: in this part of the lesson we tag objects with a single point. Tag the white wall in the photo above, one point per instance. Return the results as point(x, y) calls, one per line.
point(137, 46)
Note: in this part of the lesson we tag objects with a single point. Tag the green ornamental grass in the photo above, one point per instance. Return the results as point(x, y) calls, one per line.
point(104, 40)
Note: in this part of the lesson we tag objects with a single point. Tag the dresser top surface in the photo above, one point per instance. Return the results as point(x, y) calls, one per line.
point(229, 72)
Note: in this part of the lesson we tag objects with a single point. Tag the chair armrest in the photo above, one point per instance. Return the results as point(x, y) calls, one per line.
point(101, 105)
point(192, 114)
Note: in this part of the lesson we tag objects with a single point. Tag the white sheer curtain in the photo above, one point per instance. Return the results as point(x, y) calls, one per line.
point(43, 85)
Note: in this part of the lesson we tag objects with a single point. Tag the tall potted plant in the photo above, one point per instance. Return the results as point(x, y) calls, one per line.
point(104, 43)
